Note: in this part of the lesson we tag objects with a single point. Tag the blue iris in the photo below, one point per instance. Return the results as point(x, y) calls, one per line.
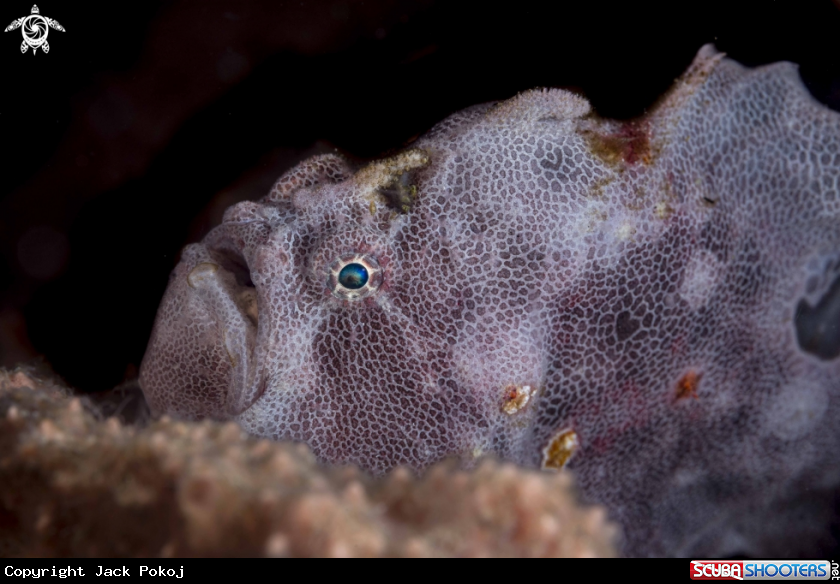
point(353, 276)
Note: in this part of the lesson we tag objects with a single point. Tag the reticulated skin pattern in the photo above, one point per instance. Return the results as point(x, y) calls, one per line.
point(653, 304)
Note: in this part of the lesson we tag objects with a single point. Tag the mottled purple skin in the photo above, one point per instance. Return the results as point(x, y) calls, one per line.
point(641, 279)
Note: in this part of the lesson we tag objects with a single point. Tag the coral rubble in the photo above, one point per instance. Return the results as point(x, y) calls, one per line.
point(76, 483)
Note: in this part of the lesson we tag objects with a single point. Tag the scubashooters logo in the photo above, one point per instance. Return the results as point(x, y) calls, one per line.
point(763, 570)
point(35, 29)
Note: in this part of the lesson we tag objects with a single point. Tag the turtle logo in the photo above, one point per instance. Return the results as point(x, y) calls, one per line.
point(35, 29)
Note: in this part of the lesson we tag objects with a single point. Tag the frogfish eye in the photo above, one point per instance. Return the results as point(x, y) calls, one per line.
point(354, 276)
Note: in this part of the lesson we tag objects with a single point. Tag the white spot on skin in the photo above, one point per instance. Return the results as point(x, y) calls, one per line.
point(625, 231)
point(798, 410)
point(701, 276)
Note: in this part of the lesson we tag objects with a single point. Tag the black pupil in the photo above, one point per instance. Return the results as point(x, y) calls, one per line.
point(353, 276)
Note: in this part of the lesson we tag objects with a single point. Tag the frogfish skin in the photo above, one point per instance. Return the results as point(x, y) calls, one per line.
point(654, 304)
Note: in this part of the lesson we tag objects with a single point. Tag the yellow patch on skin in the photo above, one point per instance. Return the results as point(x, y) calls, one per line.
point(227, 349)
point(200, 273)
point(687, 385)
point(597, 190)
point(382, 173)
point(609, 149)
point(516, 397)
point(247, 300)
point(662, 210)
point(559, 450)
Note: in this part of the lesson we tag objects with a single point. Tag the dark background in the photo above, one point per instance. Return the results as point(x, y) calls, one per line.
point(146, 120)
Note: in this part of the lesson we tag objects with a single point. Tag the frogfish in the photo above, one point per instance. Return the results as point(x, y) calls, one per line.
point(653, 304)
